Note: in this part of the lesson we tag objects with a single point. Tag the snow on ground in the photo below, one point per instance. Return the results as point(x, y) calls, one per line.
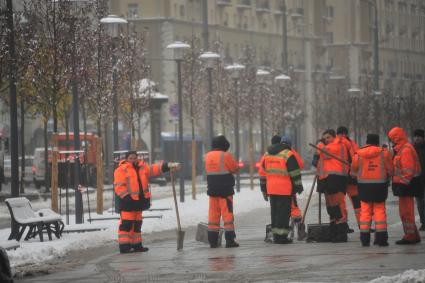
point(409, 276)
point(192, 212)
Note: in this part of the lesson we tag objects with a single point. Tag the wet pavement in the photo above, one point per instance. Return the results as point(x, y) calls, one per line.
point(254, 261)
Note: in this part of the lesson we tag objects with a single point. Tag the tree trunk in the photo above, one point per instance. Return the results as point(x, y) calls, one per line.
point(21, 187)
point(46, 157)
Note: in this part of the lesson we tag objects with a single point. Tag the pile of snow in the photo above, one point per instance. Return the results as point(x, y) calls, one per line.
point(409, 276)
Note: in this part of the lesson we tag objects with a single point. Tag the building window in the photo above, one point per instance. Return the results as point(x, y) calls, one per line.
point(226, 19)
point(132, 11)
point(330, 12)
point(329, 37)
point(182, 11)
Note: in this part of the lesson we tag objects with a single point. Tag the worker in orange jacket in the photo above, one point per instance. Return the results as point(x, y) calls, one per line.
point(296, 215)
point(131, 185)
point(352, 190)
point(372, 166)
point(333, 178)
point(406, 183)
point(282, 180)
point(220, 167)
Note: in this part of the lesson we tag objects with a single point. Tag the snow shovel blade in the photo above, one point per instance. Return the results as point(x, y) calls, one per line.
point(180, 239)
point(301, 232)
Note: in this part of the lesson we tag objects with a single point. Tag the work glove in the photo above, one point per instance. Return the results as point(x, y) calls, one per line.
point(265, 196)
point(298, 189)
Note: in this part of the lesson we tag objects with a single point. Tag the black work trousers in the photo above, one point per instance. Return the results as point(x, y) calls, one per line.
point(280, 207)
point(420, 203)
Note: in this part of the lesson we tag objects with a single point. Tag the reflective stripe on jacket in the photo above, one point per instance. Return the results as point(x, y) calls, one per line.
point(127, 183)
point(279, 177)
point(372, 165)
point(219, 167)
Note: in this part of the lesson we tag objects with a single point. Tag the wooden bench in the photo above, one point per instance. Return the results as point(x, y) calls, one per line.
point(23, 216)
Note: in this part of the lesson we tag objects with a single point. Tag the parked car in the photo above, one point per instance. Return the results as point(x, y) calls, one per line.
point(28, 169)
point(39, 167)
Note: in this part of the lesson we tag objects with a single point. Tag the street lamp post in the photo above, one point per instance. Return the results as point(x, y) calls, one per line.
point(76, 113)
point(354, 93)
point(235, 71)
point(178, 48)
point(262, 75)
point(113, 22)
point(210, 58)
point(281, 81)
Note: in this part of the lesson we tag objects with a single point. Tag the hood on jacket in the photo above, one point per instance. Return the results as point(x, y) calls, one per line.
point(397, 135)
point(369, 151)
point(220, 143)
point(274, 149)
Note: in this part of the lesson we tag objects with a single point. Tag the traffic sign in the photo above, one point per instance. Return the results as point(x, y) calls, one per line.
point(174, 110)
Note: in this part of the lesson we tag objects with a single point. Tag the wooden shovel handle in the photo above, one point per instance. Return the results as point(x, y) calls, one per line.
point(329, 154)
point(309, 199)
point(175, 201)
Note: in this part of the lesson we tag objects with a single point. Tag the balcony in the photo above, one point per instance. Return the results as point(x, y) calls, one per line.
point(296, 13)
point(244, 5)
point(224, 3)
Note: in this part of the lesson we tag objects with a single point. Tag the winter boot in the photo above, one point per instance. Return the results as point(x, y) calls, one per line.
point(341, 233)
point(213, 239)
point(381, 239)
point(405, 242)
point(365, 239)
point(281, 239)
point(140, 248)
point(230, 239)
point(125, 248)
point(232, 244)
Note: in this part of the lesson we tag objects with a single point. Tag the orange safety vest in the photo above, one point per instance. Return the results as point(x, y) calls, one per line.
point(372, 165)
point(277, 175)
point(218, 162)
point(330, 166)
point(125, 179)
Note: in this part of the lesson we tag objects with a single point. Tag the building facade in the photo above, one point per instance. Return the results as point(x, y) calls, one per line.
point(325, 38)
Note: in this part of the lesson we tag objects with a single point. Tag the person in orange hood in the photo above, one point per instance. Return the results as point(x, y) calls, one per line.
point(406, 183)
point(131, 184)
point(372, 165)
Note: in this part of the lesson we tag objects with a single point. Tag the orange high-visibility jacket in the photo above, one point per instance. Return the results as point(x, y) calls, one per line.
point(299, 159)
point(125, 178)
point(329, 165)
point(220, 166)
point(372, 165)
point(262, 173)
point(406, 162)
point(278, 176)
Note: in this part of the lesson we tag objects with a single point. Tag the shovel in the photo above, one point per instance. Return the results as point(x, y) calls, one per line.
point(301, 226)
point(180, 233)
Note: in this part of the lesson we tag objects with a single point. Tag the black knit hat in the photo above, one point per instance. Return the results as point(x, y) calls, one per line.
point(341, 130)
point(419, 133)
point(220, 142)
point(372, 139)
point(275, 139)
